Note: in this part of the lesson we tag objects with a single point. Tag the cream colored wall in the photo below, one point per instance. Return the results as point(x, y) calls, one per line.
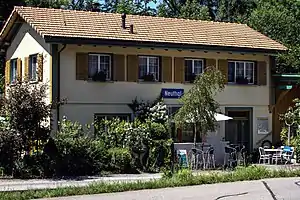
point(84, 98)
point(124, 92)
point(28, 42)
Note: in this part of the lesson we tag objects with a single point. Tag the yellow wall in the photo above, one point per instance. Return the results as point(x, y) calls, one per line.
point(86, 97)
point(27, 42)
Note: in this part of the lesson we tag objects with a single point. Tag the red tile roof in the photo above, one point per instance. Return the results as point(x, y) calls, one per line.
point(97, 25)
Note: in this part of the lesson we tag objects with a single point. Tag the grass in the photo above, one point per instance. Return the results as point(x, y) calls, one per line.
point(182, 178)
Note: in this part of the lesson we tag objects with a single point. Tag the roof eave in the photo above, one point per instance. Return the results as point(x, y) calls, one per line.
point(116, 42)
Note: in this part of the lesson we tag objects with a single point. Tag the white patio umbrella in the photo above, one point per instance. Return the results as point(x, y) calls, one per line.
point(220, 117)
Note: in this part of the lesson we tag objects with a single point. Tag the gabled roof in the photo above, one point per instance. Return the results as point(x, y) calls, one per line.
point(51, 23)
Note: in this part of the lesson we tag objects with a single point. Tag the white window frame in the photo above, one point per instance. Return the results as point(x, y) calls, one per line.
point(99, 56)
point(30, 65)
point(148, 65)
point(11, 71)
point(241, 61)
point(193, 64)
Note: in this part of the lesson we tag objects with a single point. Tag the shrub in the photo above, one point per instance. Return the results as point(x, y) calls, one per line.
point(10, 150)
point(28, 113)
point(120, 160)
point(78, 153)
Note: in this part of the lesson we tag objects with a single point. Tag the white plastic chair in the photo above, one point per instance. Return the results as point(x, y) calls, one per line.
point(263, 156)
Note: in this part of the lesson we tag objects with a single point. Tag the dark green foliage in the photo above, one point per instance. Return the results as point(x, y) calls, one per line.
point(28, 113)
point(78, 153)
point(120, 160)
point(10, 150)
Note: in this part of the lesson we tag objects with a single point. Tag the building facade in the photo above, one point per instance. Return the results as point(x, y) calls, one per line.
point(102, 78)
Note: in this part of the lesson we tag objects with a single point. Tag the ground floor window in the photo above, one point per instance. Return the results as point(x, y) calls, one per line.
point(122, 117)
point(98, 126)
point(184, 134)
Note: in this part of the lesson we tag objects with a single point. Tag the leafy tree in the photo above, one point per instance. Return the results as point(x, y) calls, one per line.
point(192, 10)
point(140, 7)
point(280, 20)
point(234, 10)
point(47, 3)
point(199, 105)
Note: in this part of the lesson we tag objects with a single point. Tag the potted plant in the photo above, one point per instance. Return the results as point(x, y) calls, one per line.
point(149, 77)
point(100, 76)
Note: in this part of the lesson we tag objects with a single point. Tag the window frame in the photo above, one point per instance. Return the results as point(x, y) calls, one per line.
point(235, 67)
point(98, 67)
point(148, 66)
point(113, 115)
point(30, 66)
point(11, 81)
point(193, 66)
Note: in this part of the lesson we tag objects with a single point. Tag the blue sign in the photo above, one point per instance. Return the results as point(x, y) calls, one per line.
point(171, 93)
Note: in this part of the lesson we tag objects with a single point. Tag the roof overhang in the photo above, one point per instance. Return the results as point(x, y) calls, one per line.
point(9, 30)
point(149, 44)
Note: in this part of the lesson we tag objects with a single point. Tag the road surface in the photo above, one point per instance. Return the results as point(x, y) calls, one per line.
point(268, 189)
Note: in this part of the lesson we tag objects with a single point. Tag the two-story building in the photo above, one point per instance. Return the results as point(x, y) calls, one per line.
point(100, 62)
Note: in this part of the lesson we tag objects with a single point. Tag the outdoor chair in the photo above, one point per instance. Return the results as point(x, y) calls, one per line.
point(196, 159)
point(242, 156)
point(230, 158)
point(287, 154)
point(210, 161)
point(263, 156)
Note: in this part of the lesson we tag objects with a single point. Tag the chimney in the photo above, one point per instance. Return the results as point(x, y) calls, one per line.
point(123, 20)
point(131, 29)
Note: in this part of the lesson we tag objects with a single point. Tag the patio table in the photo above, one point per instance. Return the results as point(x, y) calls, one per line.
point(273, 151)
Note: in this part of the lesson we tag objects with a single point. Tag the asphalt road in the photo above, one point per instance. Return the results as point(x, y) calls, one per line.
point(269, 189)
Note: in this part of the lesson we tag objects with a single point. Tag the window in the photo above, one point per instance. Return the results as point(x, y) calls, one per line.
point(33, 68)
point(241, 72)
point(149, 66)
point(122, 117)
point(185, 134)
point(193, 67)
point(100, 64)
point(13, 71)
point(100, 117)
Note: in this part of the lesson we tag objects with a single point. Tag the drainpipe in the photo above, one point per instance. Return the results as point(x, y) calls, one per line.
point(58, 81)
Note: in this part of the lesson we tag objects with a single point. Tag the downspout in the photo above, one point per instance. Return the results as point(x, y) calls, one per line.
point(58, 81)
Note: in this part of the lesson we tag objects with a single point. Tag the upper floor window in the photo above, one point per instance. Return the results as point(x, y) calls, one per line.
point(33, 68)
point(193, 67)
point(13, 71)
point(99, 67)
point(149, 68)
point(241, 72)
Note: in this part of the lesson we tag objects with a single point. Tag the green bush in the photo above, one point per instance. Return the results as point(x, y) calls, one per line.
point(10, 147)
point(120, 160)
point(78, 154)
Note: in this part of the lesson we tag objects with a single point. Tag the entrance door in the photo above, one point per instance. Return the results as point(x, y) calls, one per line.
point(238, 129)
